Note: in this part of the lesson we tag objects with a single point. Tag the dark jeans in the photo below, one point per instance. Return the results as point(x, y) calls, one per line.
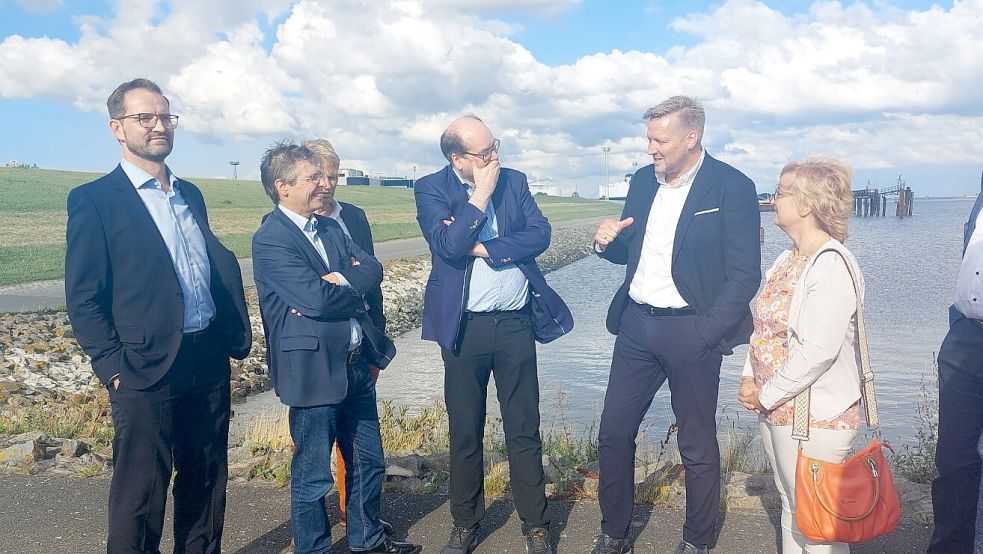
point(501, 343)
point(354, 423)
point(648, 351)
point(180, 423)
point(955, 491)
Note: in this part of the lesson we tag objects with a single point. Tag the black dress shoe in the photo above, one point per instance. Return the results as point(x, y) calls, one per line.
point(389, 546)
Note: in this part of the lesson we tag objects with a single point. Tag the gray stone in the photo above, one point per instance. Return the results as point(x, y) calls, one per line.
point(73, 448)
point(21, 452)
point(393, 470)
point(413, 485)
point(409, 465)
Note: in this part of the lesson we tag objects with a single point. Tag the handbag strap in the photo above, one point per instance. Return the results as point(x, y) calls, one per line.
point(800, 423)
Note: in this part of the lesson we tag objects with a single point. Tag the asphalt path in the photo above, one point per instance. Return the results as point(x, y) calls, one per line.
point(50, 295)
point(55, 514)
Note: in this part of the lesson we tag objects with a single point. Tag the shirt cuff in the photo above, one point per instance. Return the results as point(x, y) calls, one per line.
point(341, 278)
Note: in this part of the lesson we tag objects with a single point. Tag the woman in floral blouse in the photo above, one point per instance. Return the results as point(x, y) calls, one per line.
point(805, 333)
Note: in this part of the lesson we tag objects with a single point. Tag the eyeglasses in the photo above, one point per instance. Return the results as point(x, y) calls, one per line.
point(149, 120)
point(318, 177)
point(780, 193)
point(486, 155)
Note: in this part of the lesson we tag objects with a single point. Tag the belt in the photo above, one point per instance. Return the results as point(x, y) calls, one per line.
point(523, 310)
point(353, 355)
point(652, 310)
point(196, 336)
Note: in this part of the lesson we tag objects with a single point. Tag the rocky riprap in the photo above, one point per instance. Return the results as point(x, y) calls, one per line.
point(40, 361)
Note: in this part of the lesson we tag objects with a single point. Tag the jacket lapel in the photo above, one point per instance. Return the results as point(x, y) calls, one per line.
point(641, 215)
point(300, 240)
point(332, 248)
point(701, 186)
point(138, 219)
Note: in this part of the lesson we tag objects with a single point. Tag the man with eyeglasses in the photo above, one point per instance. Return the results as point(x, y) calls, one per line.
point(486, 303)
point(311, 280)
point(157, 303)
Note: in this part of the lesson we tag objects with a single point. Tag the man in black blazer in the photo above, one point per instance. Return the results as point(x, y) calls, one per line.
point(156, 301)
point(689, 237)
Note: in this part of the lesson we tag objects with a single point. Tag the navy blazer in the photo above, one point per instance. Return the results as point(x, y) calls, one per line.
point(358, 225)
point(307, 352)
point(716, 254)
point(523, 234)
point(954, 314)
point(121, 289)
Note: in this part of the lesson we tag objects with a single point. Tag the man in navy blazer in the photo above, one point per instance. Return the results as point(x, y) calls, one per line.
point(157, 303)
point(485, 304)
point(311, 280)
point(689, 238)
point(956, 491)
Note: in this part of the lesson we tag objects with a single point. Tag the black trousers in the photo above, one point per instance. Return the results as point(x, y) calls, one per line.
point(648, 351)
point(501, 343)
point(955, 491)
point(182, 424)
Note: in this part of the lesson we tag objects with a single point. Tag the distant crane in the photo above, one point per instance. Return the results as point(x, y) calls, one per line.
point(235, 170)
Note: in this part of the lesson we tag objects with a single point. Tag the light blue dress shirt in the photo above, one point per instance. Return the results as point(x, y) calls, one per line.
point(185, 243)
point(309, 228)
point(494, 288)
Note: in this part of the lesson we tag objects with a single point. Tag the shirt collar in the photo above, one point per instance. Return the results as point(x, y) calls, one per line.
point(336, 212)
point(686, 178)
point(461, 179)
point(139, 177)
point(308, 225)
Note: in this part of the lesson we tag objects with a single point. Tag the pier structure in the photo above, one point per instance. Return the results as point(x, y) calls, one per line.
point(873, 202)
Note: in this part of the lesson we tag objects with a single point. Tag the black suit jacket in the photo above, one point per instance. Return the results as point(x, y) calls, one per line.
point(358, 226)
point(124, 301)
point(716, 255)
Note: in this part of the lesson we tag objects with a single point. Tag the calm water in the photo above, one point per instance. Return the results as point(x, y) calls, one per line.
point(910, 267)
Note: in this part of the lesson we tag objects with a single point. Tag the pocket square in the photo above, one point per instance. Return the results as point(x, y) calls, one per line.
point(710, 211)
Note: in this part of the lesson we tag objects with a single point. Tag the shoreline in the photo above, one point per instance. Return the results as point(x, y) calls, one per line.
point(43, 371)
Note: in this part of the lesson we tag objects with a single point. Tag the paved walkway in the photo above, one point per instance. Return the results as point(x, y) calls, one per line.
point(50, 295)
point(57, 514)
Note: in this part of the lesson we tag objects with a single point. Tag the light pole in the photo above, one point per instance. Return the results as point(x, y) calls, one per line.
point(607, 179)
point(235, 170)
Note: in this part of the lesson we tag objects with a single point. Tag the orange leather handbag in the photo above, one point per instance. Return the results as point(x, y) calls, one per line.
point(854, 501)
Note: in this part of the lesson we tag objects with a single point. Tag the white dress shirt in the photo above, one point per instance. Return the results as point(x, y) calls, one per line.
point(185, 243)
point(652, 283)
point(309, 226)
point(336, 215)
point(969, 285)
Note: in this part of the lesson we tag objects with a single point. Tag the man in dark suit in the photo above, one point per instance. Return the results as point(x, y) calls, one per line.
point(485, 303)
point(156, 301)
point(689, 236)
point(353, 222)
point(955, 491)
point(311, 279)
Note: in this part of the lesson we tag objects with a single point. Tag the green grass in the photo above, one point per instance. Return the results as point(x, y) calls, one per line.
point(33, 217)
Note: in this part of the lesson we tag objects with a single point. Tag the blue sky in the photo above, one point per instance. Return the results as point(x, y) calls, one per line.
point(892, 87)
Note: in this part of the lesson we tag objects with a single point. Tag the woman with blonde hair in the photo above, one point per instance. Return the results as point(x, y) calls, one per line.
point(805, 333)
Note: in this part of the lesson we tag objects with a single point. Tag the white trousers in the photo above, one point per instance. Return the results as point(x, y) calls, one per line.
point(782, 450)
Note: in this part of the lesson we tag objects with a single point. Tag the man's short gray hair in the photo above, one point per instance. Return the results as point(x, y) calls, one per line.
point(280, 163)
point(690, 112)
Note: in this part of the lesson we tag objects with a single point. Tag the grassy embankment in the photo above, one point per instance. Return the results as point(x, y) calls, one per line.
point(33, 217)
